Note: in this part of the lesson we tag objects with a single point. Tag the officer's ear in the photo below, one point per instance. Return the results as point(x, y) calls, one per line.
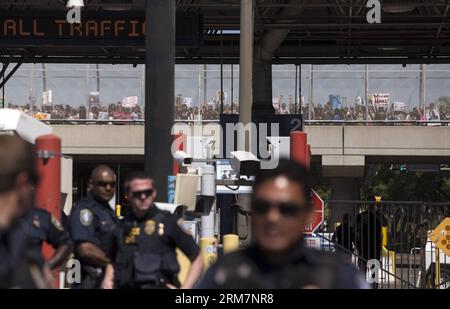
point(155, 192)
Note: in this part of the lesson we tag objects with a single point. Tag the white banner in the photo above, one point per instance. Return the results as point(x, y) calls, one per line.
point(399, 106)
point(188, 102)
point(103, 116)
point(47, 97)
point(379, 99)
point(94, 98)
point(130, 101)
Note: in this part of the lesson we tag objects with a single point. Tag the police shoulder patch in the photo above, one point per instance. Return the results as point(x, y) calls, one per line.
point(56, 223)
point(86, 217)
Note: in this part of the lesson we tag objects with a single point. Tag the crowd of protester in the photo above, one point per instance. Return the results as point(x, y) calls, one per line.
point(359, 112)
point(67, 112)
point(212, 110)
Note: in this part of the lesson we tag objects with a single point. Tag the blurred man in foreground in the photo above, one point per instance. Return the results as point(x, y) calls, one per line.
point(20, 267)
point(278, 257)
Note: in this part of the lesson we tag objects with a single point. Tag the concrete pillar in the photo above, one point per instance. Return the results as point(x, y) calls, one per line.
point(159, 90)
point(245, 67)
point(343, 189)
point(267, 45)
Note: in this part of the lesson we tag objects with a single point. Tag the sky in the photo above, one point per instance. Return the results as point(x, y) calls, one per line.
point(72, 83)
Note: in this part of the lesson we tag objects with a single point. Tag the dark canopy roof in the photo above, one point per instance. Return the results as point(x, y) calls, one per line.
point(320, 31)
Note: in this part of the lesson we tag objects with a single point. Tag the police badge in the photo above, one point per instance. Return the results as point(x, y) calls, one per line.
point(150, 227)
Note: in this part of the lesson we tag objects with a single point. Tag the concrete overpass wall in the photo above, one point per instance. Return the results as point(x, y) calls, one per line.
point(407, 141)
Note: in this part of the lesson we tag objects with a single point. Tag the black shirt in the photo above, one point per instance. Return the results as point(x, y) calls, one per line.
point(20, 265)
point(166, 228)
point(45, 227)
point(94, 222)
point(5, 262)
point(303, 268)
point(150, 242)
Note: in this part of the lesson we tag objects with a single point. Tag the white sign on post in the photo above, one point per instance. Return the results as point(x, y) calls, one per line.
point(47, 97)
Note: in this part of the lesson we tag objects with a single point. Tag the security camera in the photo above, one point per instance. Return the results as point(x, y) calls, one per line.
point(182, 157)
point(244, 163)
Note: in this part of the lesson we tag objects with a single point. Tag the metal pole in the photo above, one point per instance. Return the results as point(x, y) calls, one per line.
point(311, 91)
point(141, 103)
point(245, 68)
point(30, 91)
point(232, 88)
point(221, 72)
point(44, 78)
point(295, 90)
point(48, 190)
point(44, 83)
point(3, 88)
point(86, 90)
point(199, 88)
point(97, 71)
point(298, 109)
point(159, 90)
point(366, 90)
point(422, 87)
point(205, 84)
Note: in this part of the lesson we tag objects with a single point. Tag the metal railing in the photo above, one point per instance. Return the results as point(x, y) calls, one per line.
point(307, 122)
point(393, 233)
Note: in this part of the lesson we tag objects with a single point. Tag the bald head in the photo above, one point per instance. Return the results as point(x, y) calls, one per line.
point(102, 183)
point(100, 169)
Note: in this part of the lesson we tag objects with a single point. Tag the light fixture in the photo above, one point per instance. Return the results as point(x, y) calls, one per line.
point(75, 3)
point(397, 6)
point(389, 48)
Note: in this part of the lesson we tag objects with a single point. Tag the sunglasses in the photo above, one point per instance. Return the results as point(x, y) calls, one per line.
point(138, 194)
point(105, 183)
point(286, 209)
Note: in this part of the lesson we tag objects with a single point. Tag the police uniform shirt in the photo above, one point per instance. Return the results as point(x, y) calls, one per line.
point(5, 262)
point(163, 228)
point(304, 268)
point(94, 222)
point(43, 226)
point(23, 264)
point(151, 242)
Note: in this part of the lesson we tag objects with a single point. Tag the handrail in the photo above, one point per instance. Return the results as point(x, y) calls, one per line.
point(307, 122)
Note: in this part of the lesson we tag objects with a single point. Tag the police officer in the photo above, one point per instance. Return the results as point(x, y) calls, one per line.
point(278, 257)
point(93, 225)
point(42, 226)
point(146, 255)
point(19, 267)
